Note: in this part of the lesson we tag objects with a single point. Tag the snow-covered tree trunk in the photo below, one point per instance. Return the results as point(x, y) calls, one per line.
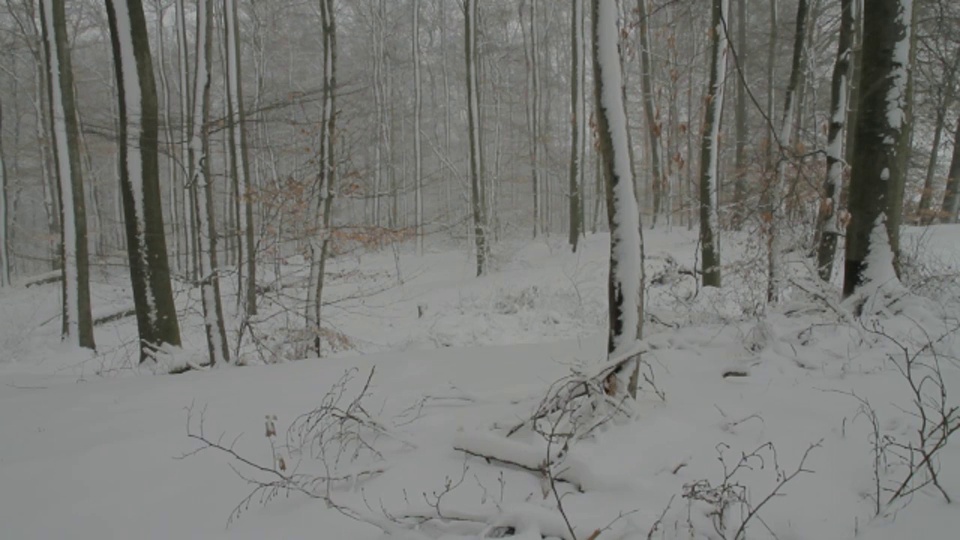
point(881, 126)
point(650, 111)
point(829, 222)
point(951, 197)
point(320, 245)
point(5, 261)
point(140, 178)
point(240, 159)
point(777, 196)
point(77, 320)
point(710, 148)
point(204, 201)
point(578, 123)
point(771, 87)
point(417, 114)
point(625, 283)
point(473, 124)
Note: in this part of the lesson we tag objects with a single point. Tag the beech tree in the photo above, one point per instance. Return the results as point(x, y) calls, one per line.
point(473, 122)
point(578, 123)
point(777, 198)
point(878, 164)
point(828, 220)
point(140, 178)
point(710, 148)
point(625, 279)
point(77, 318)
point(320, 244)
point(203, 183)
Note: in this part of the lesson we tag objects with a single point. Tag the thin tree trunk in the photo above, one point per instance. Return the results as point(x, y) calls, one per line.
point(4, 215)
point(240, 161)
point(473, 120)
point(830, 203)
point(777, 202)
point(77, 318)
point(740, 159)
point(204, 201)
point(577, 123)
point(417, 115)
point(924, 215)
point(951, 196)
point(650, 111)
point(710, 149)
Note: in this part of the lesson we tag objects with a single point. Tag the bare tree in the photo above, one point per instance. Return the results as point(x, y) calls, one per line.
point(473, 120)
point(77, 318)
point(625, 282)
point(828, 220)
point(777, 197)
point(710, 148)
point(203, 182)
point(4, 215)
point(650, 111)
point(578, 123)
point(951, 196)
point(140, 178)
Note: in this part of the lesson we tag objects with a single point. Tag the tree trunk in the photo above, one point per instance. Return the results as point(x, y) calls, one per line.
point(473, 120)
point(881, 126)
point(625, 281)
point(4, 215)
point(710, 149)
point(140, 178)
point(240, 160)
point(740, 159)
point(777, 202)
point(204, 201)
point(577, 123)
point(924, 215)
point(828, 221)
point(77, 320)
point(417, 115)
point(951, 196)
point(650, 111)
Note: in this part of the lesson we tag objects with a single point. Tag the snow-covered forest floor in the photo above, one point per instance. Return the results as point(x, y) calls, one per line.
point(796, 395)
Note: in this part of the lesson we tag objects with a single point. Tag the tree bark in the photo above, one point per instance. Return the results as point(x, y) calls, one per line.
point(625, 279)
point(778, 195)
point(140, 178)
point(881, 126)
point(77, 319)
point(577, 124)
point(204, 201)
point(650, 111)
point(828, 221)
point(710, 147)
point(741, 119)
point(951, 197)
point(473, 120)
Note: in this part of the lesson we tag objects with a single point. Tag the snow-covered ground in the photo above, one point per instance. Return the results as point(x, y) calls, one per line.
point(90, 445)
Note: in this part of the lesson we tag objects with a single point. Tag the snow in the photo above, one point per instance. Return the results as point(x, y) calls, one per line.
point(89, 444)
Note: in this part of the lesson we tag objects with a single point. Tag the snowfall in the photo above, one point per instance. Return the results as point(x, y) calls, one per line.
point(786, 421)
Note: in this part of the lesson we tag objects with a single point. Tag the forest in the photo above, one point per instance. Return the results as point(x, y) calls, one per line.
point(578, 269)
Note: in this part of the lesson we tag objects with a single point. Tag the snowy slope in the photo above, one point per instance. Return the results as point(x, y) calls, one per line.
point(86, 456)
